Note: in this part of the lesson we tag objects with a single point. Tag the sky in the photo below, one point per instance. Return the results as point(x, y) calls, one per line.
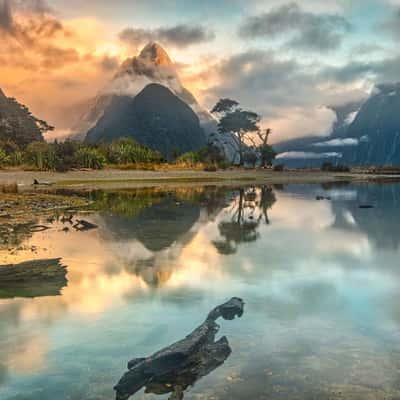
point(286, 60)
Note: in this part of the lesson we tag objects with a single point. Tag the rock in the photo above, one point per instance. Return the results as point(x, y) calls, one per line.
point(178, 366)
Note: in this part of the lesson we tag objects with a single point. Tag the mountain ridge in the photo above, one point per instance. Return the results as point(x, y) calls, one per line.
point(156, 117)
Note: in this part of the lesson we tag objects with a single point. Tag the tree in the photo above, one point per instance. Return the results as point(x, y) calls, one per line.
point(265, 151)
point(236, 122)
point(267, 154)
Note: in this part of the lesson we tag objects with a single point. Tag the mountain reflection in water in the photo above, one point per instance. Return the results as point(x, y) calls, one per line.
point(320, 279)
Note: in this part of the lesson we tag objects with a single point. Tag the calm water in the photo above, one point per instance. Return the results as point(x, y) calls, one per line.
point(320, 279)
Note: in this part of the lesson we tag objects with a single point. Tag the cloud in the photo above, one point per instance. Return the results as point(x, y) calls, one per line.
point(290, 96)
point(49, 64)
point(300, 29)
point(308, 155)
point(392, 25)
point(179, 36)
point(386, 69)
point(337, 143)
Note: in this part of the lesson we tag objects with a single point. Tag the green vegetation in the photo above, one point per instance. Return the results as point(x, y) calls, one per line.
point(18, 124)
point(209, 157)
point(22, 145)
point(43, 156)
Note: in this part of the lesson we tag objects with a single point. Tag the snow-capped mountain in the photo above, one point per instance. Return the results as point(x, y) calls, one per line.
point(152, 65)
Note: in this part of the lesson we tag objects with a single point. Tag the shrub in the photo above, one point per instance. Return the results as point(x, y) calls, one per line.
point(191, 158)
point(250, 157)
point(4, 158)
point(87, 157)
point(329, 167)
point(279, 167)
point(41, 155)
point(128, 151)
point(210, 168)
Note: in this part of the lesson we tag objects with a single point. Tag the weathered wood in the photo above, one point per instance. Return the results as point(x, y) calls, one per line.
point(83, 225)
point(32, 278)
point(178, 366)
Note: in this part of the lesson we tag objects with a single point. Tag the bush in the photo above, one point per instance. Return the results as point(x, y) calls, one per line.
point(210, 168)
point(87, 157)
point(128, 151)
point(267, 154)
point(329, 167)
point(250, 157)
point(191, 158)
point(279, 167)
point(4, 158)
point(41, 155)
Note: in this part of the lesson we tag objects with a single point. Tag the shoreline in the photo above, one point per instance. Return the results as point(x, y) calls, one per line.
point(123, 179)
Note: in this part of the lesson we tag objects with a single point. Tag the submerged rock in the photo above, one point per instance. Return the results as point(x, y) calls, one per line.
point(178, 366)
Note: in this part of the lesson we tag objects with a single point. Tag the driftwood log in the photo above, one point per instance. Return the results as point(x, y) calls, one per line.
point(37, 183)
point(32, 278)
point(178, 366)
point(83, 225)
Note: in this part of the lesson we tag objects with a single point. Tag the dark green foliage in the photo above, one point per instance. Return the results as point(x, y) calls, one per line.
point(70, 154)
point(18, 124)
point(279, 167)
point(236, 122)
point(155, 118)
point(329, 167)
point(267, 154)
point(88, 157)
point(128, 151)
point(250, 157)
point(41, 155)
point(210, 155)
point(224, 106)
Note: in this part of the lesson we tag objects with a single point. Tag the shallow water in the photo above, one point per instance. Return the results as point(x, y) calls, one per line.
point(320, 280)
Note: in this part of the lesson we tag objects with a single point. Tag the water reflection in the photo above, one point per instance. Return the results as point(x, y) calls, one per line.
point(320, 279)
point(248, 208)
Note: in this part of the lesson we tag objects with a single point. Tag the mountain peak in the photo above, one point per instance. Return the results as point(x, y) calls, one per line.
point(154, 53)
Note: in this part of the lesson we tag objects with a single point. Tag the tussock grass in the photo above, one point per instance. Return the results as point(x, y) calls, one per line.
point(9, 188)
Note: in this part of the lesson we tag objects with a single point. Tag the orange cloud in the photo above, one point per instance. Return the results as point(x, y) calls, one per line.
point(51, 65)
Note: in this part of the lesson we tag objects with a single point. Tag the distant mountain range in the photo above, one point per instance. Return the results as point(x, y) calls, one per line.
point(17, 124)
point(147, 101)
point(365, 133)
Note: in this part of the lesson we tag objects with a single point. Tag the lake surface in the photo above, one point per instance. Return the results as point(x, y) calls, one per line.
point(320, 281)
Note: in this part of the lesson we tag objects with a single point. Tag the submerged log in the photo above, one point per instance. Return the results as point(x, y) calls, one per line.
point(32, 278)
point(178, 366)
